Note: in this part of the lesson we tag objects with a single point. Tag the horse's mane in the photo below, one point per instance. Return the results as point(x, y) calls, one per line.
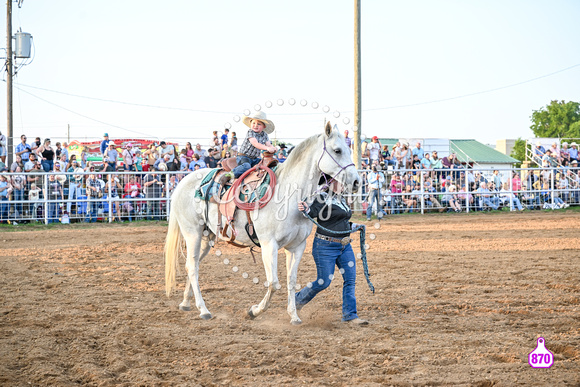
point(297, 153)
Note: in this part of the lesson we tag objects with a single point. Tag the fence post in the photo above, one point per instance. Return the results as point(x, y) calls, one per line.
point(109, 179)
point(46, 194)
point(422, 192)
point(167, 199)
point(553, 177)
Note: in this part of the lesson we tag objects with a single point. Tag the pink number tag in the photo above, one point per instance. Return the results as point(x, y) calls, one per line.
point(541, 357)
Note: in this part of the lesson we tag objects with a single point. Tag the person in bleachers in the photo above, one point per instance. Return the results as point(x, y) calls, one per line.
point(234, 144)
point(196, 162)
point(23, 149)
point(374, 150)
point(573, 152)
point(555, 152)
point(408, 199)
point(18, 183)
point(509, 199)
point(531, 200)
point(104, 144)
point(5, 189)
point(418, 151)
point(212, 159)
point(47, 155)
point(436, 165)
point(225, 139)
point(486, 197)
point(547, 195)
point(375, 180)
point(465, 197)
point(347, 139)
point(539, 152)
point(450, 198)
point(565, 153)
point(387, 157)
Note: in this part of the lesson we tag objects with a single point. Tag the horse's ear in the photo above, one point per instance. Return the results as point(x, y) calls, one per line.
point(328, 129)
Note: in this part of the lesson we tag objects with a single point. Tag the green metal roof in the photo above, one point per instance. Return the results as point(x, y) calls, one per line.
point(478, 152)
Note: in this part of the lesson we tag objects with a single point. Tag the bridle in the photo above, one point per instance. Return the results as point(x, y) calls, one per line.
point(328, 182)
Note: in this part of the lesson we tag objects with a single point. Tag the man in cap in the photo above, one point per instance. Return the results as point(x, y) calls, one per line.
point(374, 150)
point(539, 152)
point(111, 156)
point(129, 158)
point(105, 144)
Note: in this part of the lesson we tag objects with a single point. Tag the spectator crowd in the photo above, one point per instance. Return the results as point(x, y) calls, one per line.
point(59, 186)
point(46, 182)
point(409, 179)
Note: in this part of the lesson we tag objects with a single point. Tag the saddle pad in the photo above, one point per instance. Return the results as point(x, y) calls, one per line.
point(203, 192)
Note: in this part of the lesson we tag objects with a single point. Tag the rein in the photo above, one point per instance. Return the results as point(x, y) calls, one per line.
point(361, 228)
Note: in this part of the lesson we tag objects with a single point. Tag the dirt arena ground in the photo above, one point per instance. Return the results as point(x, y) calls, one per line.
point(460, 300)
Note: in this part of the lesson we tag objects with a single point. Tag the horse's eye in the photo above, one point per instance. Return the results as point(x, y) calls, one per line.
point(337, 151)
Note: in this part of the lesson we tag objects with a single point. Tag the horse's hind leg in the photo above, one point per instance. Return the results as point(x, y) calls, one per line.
point(188, 293)
point(197, 248)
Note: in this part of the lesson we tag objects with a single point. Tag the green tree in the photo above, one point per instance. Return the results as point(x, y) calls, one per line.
point(559, 119)
point(519, 151)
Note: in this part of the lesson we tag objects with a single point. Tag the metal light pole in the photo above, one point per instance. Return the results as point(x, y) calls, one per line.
point(9, 70)
point(357, 87)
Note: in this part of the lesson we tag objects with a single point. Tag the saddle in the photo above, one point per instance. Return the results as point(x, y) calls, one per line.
point(251, 191)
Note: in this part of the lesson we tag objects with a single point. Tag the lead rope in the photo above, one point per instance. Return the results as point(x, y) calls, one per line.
point(361, 228)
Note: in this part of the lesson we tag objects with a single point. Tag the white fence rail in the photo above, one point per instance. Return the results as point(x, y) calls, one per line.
point(130, 197)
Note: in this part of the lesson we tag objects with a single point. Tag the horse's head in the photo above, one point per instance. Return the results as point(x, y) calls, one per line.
point(335, 162)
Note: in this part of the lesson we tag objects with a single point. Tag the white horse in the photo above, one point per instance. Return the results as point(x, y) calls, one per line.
point(279, 224)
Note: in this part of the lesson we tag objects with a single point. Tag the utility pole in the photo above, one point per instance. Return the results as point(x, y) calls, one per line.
point(9, 70)
point(356, 146)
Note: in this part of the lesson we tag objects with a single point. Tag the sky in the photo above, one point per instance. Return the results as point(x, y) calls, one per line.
point(178, 70)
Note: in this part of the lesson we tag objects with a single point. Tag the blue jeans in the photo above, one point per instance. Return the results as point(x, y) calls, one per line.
point(516, 203)
point(74, 191)
point(4, 208)
point(327, 255)
point(47, 165)
point(153, 210)
point(489, 202)
point(244, 163)
point(53, 212)
point(93, 208)
point(374, 196)
point(18, 195)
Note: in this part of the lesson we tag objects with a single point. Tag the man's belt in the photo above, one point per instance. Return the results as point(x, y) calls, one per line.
point(343, 241)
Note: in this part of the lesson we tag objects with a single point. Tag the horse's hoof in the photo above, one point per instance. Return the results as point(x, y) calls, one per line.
point(296, 322)
point(185, 308)
point(251, 314)
point(206, 316)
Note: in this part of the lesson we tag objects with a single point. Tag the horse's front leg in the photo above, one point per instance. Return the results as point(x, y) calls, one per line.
point(293, 258)
point(270, 259)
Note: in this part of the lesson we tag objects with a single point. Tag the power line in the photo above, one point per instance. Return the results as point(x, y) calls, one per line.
point(126, 103)
point(82, 115)
point(476, 93)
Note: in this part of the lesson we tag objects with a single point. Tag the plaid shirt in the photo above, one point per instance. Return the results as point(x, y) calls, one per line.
point(248, 149)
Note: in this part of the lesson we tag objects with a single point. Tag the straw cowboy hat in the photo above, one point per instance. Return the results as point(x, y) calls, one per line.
point(260, 116)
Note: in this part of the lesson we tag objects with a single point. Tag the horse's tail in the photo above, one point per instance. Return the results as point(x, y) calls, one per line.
point(172, 249)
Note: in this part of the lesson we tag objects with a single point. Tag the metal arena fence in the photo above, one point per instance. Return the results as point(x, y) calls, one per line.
point(128, 196)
